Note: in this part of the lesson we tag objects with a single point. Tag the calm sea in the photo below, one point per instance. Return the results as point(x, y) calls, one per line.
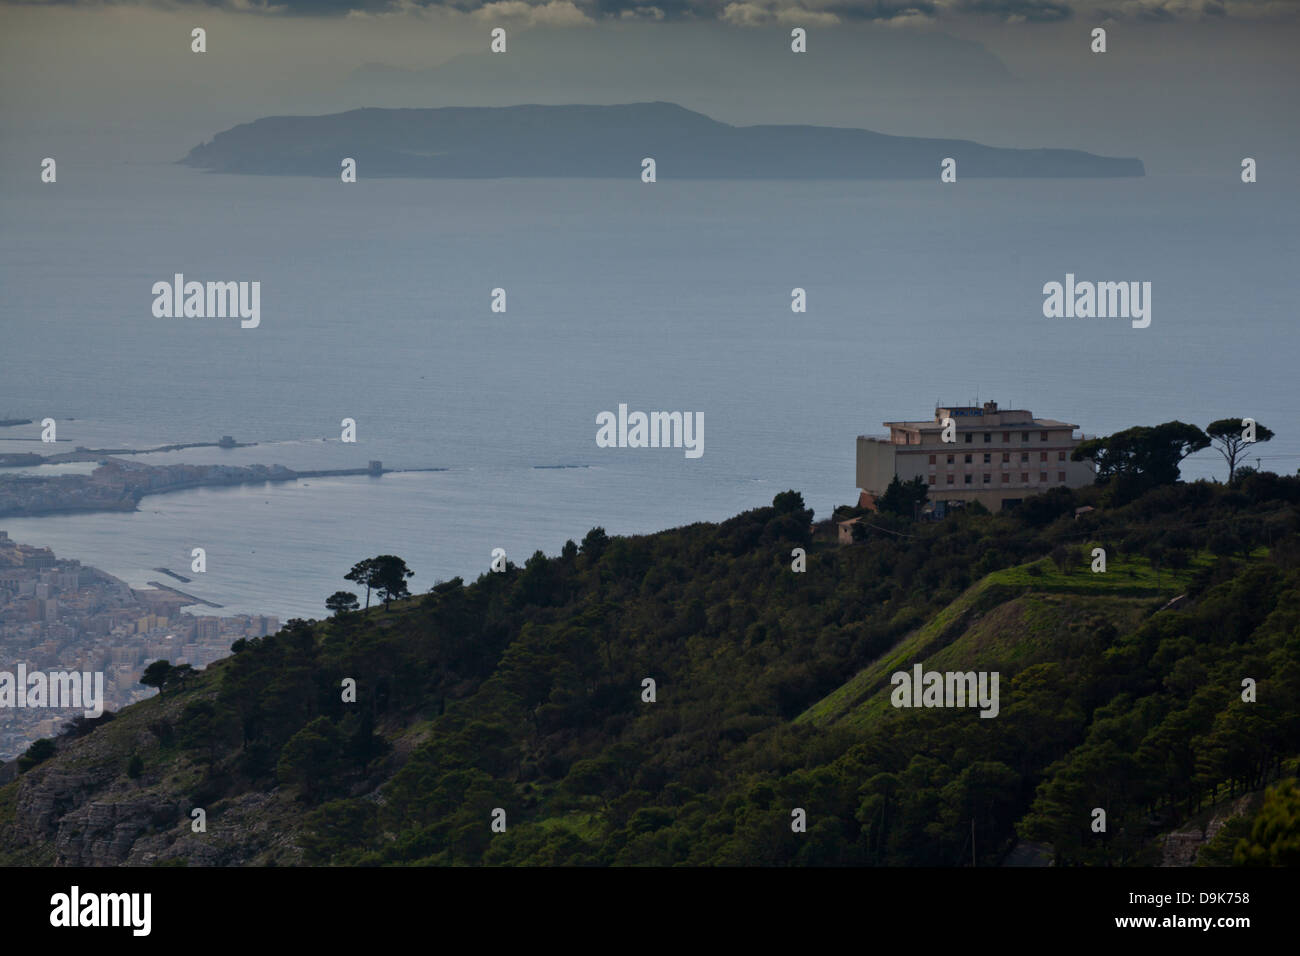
point(673, 296)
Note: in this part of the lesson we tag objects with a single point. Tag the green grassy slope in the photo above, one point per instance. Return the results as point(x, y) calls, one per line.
point(1009, 619)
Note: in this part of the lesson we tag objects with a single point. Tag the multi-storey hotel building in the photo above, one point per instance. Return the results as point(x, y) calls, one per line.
point(999, 457)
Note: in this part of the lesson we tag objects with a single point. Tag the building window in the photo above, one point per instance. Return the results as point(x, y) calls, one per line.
point(951, 459)
point(1042, 476)
point(932, 459)
point(1005, 478)
point(1060, 476)
point(950, 479)
point(1006, 457)
point(1024, 456)
point(988, 436)
point(987, 458)
point(968, 479)
point(987, 478)
point(968, 459)
point(1024, 477)
point(1006, 438)
point(969, 437)
point(1042, 456)
point(1060, 456)
point(932, 479)
point(1024, 436)
point(1042, 436)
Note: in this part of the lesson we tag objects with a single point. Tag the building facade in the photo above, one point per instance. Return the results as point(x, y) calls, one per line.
point(999, 457)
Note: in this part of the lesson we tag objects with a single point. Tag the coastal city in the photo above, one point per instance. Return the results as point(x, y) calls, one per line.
point(57, 614)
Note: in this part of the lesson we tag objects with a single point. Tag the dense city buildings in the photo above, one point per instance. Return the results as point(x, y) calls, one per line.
point(59, 615)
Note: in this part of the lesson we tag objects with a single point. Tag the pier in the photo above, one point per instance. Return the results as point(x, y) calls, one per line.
point(190, 598)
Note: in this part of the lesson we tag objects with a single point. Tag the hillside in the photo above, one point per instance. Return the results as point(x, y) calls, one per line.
point(609, 142)
point(524, 691)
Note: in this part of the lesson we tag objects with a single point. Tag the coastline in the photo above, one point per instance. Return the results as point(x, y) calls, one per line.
point(120, 486)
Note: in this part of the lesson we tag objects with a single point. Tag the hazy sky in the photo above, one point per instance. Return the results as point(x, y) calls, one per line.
point(1186, 85)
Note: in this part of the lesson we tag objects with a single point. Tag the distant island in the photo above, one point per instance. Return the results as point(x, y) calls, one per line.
point(610, 142)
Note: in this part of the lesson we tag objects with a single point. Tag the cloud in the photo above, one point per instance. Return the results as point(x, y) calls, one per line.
point(1018, 11)
point(550, 13)
point(1161, 11)
point(750, 13)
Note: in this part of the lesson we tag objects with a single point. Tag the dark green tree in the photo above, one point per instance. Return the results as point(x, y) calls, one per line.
point(1223, 543)
point(312, 758)
point(1275, 838)
point(178, 675)
point(903, 498)
point(1061, 558)
point(595, 542)
point(155, 675)
point(1156, 554)
point(388, 576)
point(1149, 453)
point(341, 601)
point(38, 752)
point(207, 727)
point(1226, 434)
point(361, 574)
point(787, 502)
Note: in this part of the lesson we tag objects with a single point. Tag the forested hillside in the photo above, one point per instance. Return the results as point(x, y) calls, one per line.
point(525, 691)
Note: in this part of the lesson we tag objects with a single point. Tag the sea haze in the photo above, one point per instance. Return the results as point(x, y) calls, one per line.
point(673, 296)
